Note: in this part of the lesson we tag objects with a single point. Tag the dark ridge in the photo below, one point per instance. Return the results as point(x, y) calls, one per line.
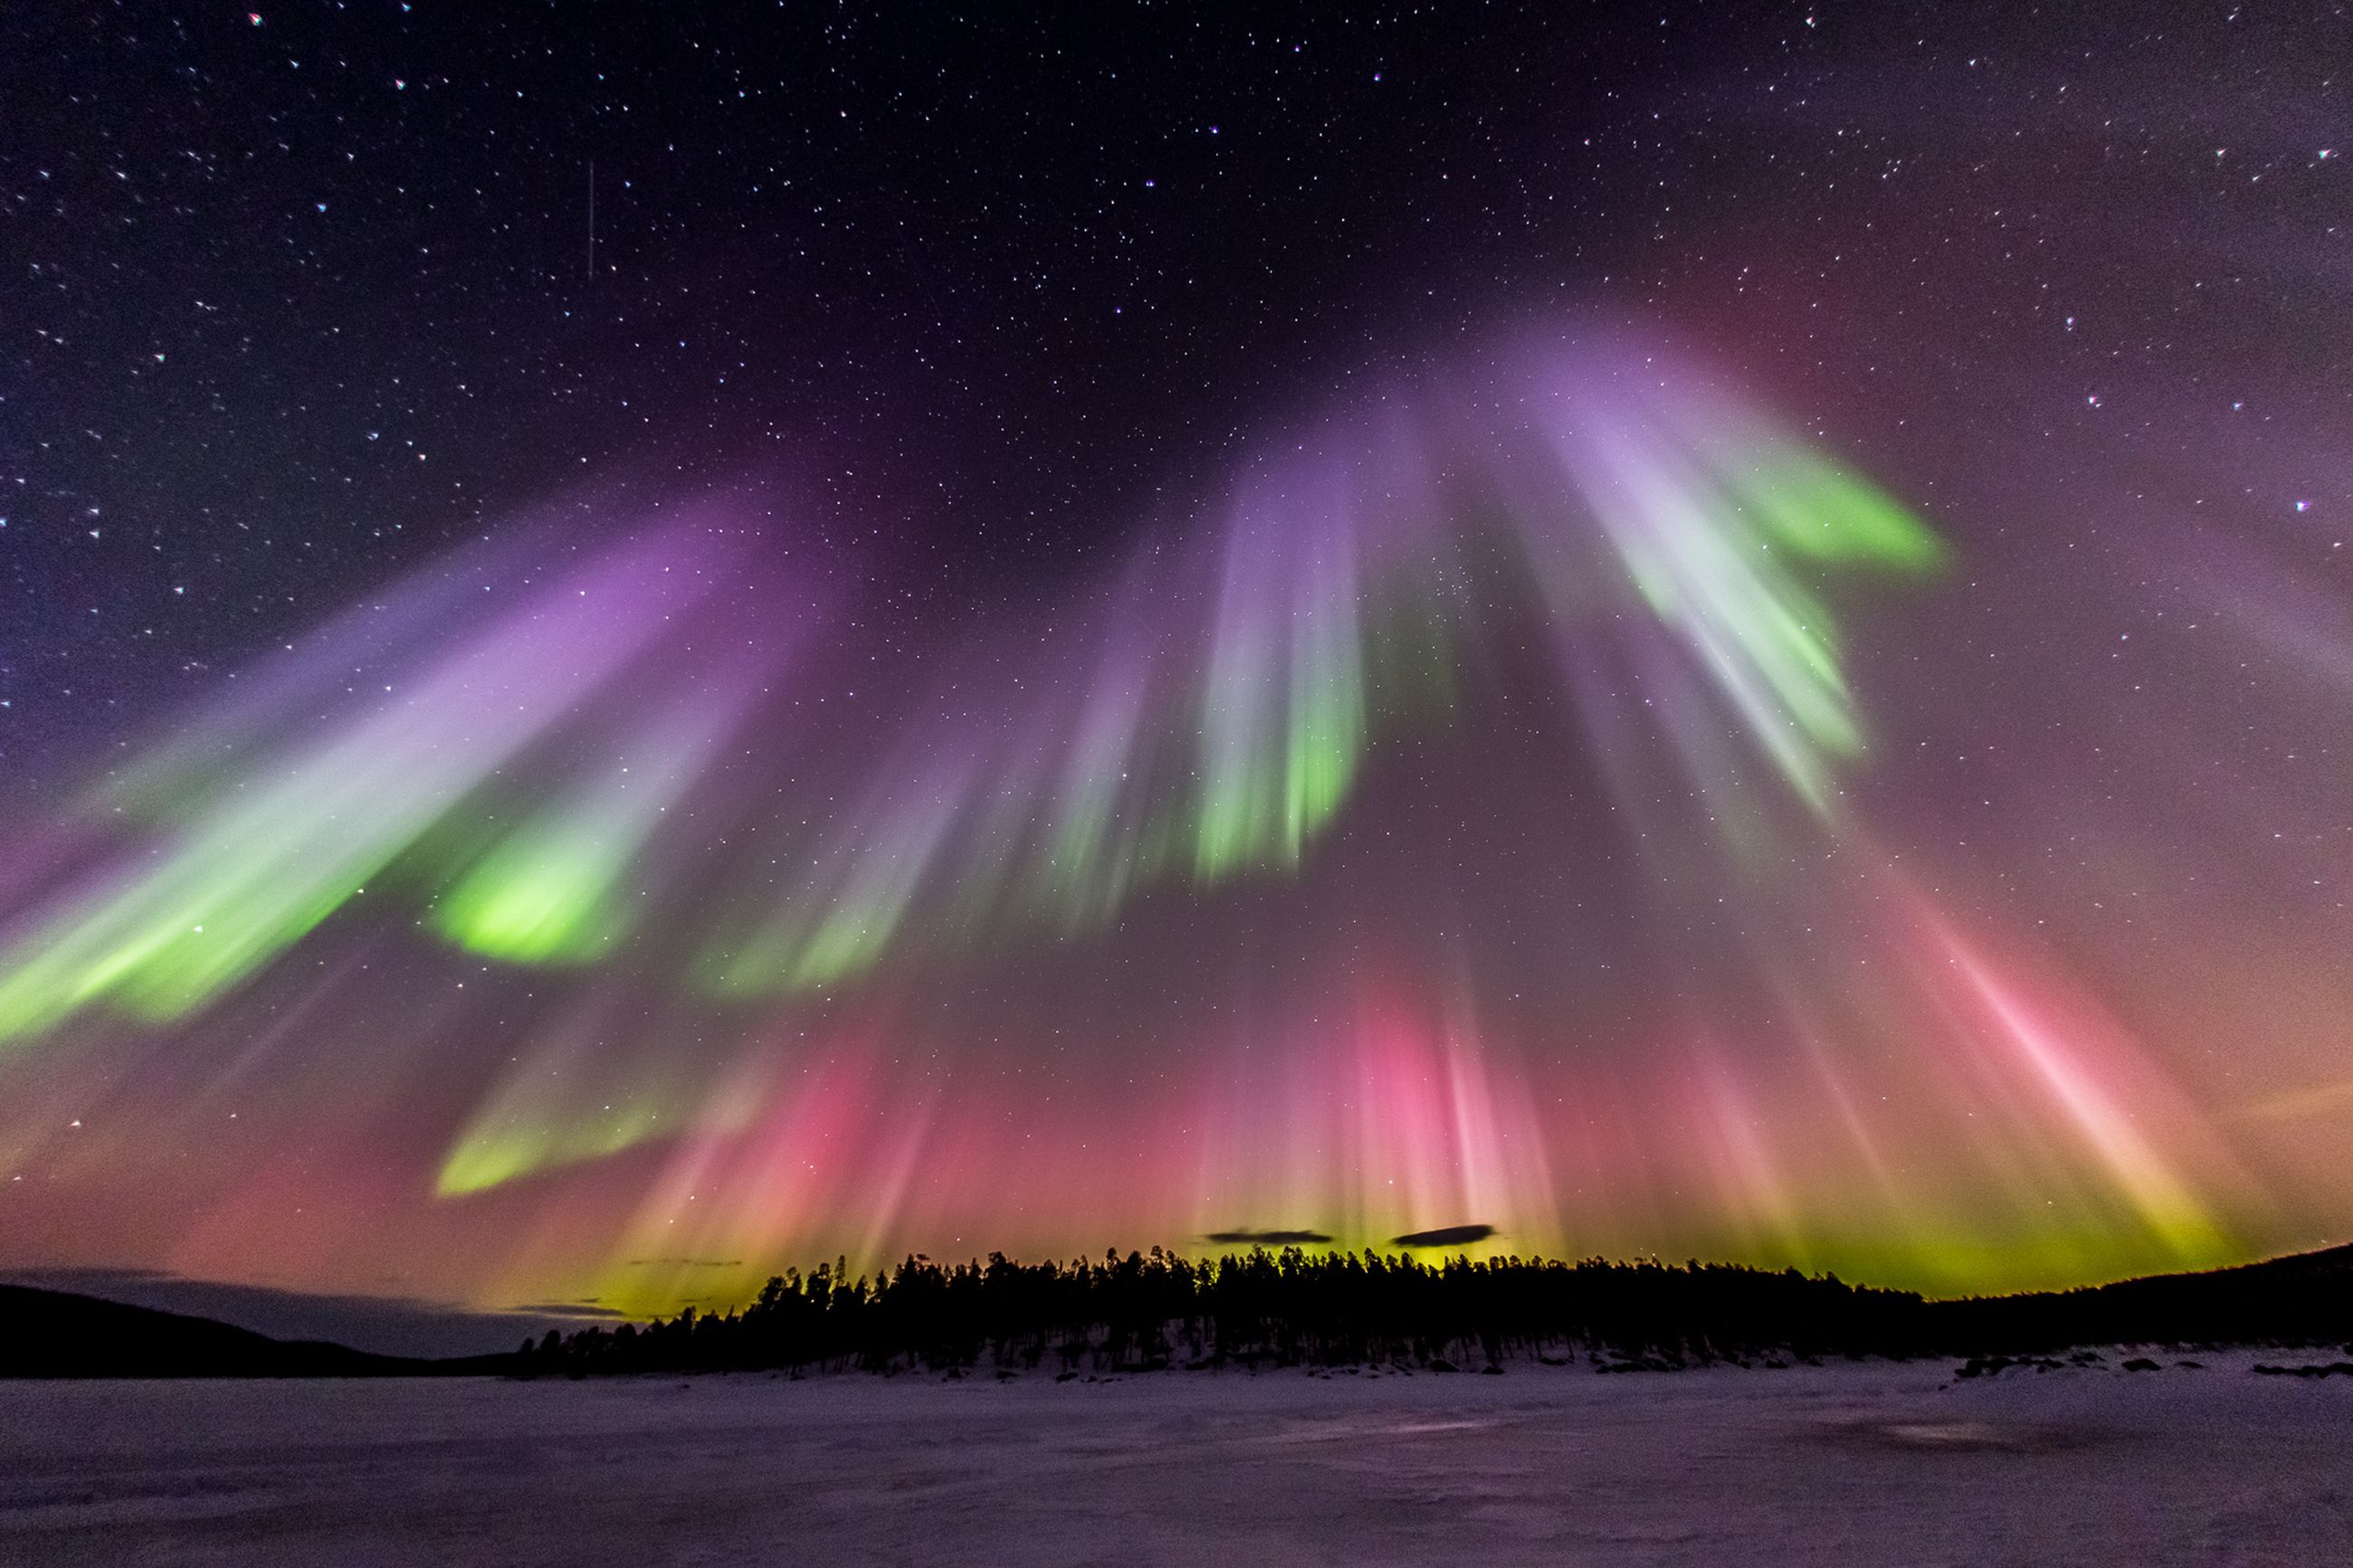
point(56, 1333)
point(2303, 1297)
point(1287, 1308)
point(1445, 1236)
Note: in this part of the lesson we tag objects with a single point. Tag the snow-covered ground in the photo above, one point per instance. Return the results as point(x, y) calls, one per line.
point(1845, 1463)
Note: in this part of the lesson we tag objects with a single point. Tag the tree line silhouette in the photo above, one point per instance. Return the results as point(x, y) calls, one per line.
point(1287, 1308)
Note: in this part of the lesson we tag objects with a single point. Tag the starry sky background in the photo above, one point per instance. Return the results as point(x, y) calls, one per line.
point(947, 351)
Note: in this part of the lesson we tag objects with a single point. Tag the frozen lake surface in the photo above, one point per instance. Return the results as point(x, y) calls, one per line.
point(1840, 1464)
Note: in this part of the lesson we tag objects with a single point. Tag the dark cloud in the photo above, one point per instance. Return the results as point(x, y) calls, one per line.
point(567, 1310)
point(1444, 1235)
point(1267, 1238)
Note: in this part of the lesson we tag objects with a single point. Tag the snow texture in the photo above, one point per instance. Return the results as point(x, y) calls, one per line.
point(1848, 1463)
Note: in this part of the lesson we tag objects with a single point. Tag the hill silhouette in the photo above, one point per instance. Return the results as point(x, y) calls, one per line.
point(2305, 1298)
point(58, 1334)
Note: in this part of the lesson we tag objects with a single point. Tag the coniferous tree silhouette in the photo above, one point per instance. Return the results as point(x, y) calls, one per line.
point(1150, 1311)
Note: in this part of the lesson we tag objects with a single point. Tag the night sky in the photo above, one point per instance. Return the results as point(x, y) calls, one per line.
point(642, 644)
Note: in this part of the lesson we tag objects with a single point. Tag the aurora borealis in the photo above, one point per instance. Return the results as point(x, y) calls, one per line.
point(1800, 758)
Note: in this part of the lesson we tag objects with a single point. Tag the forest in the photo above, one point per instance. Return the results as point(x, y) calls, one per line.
point(1288, 1308)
